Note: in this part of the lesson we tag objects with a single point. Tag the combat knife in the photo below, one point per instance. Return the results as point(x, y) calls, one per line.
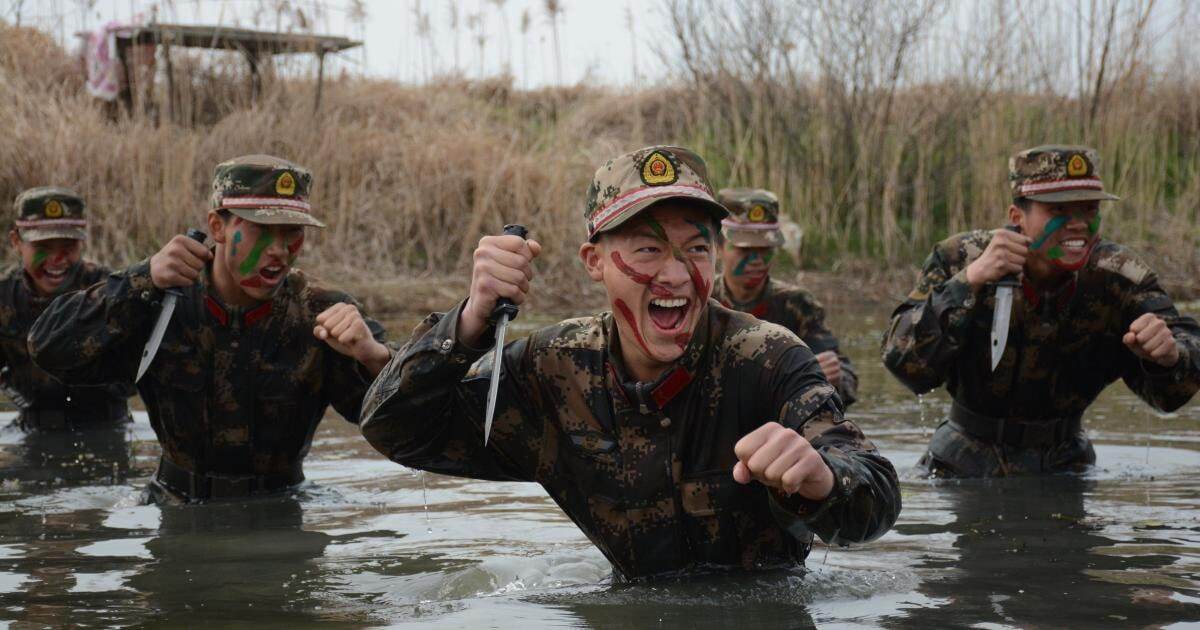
point(1002, 311)
point(164, 317)
point(504, 313)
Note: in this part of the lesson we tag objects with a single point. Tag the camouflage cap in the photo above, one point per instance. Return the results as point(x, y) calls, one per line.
point(626, 185)
point(264, 189)
point(753, 217)
point(1057, 174)
point(49, 212)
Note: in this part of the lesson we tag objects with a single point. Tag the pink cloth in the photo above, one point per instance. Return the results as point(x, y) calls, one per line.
point(103, 65)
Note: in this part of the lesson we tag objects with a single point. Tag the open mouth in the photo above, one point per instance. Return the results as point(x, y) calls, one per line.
point(668, 314)
point(267, 277)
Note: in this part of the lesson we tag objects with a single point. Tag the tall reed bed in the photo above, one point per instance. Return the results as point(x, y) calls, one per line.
point(409, 177)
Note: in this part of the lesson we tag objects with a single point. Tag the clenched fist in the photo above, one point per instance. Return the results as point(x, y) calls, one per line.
point(503, 268)
point(343, 328)
point(779, 457)
point(831, 365)
point(1150, 339)
point(179, 263)
point(1005, 254)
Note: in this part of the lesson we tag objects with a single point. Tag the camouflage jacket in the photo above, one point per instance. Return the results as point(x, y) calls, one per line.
point(1063, 347)
point(235, 392)
point(798, 311)
point(644, 469)
point(20, 306)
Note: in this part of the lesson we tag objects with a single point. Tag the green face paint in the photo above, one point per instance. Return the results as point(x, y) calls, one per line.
point(251, 263)
point(704, 232)
point(1052, 226)
point(1094, 225)
point(237, 238)
point(1054, 253)
point(741, 266)
point(40, 257)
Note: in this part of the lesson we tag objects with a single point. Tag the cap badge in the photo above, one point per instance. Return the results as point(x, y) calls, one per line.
point(286, 184)
point(657, 170)
point(757, 214)
point(1077, 166)
point(53, 209)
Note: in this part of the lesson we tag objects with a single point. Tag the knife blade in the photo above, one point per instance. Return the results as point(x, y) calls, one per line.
point(1002, 311)
point(164, 318)
point(504, 312)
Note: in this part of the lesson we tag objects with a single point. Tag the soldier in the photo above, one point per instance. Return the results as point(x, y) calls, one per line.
point(253, 355)
point(750, 238)
point(678, 435)
point(48, 235)
point(1088, 311)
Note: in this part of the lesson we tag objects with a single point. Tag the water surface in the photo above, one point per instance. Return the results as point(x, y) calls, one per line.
point(370, 543)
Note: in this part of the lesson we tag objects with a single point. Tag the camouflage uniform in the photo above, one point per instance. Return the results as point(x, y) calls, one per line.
point(643, 468)
point(44, 402)
point(234, 394)
point(1064, 346)
point(754, 222)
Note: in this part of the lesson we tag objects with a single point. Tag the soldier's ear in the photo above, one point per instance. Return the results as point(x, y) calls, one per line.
point(1016, 216)
point(216, 226)
point(592, 255)
point(14, 238)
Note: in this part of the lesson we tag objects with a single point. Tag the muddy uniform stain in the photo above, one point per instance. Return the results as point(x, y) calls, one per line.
point(1064, 348)
point(800, 312)
point(20, 306)
point(644, 469)
point(232, 392)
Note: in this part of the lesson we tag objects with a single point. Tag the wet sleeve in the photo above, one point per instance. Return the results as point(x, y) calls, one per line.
point(928, 329)
point(818, 337)
point(95, 336)
point(865, 500)
point(426, 408)
point(1165, 389)
point(348, 379)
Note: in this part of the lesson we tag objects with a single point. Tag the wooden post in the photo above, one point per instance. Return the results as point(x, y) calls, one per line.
point(126, 92)
point(255, 79)
point(320, 78)
point(166, 44)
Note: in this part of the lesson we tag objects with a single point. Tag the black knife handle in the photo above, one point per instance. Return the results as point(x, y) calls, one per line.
point(505, 306)
point(1011, 280)
point(199, 237)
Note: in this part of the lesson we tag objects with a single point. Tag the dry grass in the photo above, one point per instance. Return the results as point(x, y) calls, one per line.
point(408, 178)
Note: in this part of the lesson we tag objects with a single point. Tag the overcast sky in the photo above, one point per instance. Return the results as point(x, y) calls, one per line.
point(594, 35)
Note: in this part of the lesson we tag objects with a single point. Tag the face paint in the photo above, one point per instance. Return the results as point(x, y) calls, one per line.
point(294, 247)
point(741, 266)
point(253, 282)
point(702, 287)
point(1094, 225)
point(682, 340)
point(39, 257)
point(632, 323)
point(633, 274)
point(704, 233)
point(251, 263)
point(237, 238)
point(1054, 253)
point(1052, 226)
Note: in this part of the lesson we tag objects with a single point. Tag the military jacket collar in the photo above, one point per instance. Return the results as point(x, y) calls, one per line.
point(649, 397)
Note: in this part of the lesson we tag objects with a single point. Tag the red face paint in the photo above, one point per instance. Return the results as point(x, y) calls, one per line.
point(253, 282)
point(294, 248)
point(633, 274)
point(628, 315)
point(682, 340)
point(702, 287)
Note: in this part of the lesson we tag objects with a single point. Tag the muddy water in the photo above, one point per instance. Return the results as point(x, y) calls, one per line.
point(367, 542)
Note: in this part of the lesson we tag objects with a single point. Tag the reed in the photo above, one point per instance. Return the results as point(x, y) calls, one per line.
point(875, 165)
